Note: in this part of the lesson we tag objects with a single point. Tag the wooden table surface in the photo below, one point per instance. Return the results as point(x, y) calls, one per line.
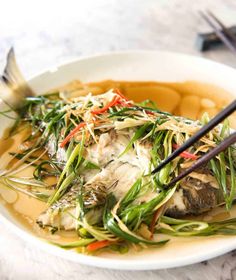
point(46, 33)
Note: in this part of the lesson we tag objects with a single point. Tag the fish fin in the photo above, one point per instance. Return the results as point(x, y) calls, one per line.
point(13, 86)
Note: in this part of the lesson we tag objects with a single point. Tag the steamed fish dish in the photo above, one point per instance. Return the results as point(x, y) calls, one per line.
point(91, 159)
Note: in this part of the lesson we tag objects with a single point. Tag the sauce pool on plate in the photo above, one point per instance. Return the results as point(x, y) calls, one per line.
point(189, 99)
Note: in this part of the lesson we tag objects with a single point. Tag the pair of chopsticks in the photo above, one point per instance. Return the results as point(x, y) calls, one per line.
point(224, 34)
point(230, 140)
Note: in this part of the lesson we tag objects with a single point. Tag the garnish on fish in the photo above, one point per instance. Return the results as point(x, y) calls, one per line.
point(101, 150)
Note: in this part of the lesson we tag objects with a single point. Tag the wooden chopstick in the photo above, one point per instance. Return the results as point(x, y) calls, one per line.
point(227, 40)
point(204, 159)
point(205, 129)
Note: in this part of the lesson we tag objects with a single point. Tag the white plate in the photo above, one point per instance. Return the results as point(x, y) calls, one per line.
point(138, 65)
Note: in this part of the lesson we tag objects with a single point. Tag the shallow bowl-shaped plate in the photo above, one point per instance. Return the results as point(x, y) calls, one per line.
point(137, 66)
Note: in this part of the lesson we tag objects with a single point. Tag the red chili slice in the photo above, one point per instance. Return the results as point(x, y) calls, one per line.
point(185, 154)
point(72, 133)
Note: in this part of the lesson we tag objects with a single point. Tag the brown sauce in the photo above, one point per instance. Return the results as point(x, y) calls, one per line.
point(189, 99)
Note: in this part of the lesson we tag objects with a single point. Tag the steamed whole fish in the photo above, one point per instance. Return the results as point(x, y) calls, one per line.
point(106, 145)
point(196, 194)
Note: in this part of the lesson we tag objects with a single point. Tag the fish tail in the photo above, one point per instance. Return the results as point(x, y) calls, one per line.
point(13, 86)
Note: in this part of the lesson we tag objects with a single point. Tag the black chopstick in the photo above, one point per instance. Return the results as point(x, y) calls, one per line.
point(206, 128)
point(223, 37)
point(223, 27)
point(204, 159)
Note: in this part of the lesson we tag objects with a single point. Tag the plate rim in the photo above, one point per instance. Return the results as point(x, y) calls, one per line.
point(115, 264)
point(56, 66)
